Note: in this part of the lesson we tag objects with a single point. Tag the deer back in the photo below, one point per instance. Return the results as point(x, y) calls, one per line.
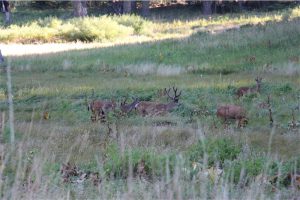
point(154, 108)
point(145, 107)
point(95, 105)
point(108, 106)
point(242, 91)
point(98, 105)
point(248, 90)
point(231, 112)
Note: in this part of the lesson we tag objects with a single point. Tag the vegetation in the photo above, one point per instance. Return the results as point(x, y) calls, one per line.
point(187, 153)
point(53, 27)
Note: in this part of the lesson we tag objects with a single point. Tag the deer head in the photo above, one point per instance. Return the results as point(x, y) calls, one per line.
point(126, 108)
point(176, 96)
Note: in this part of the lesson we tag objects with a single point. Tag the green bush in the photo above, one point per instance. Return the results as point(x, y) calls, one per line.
point(86, 29)
point(283, 89)
point(93, 29)
point(217, 150)
point(118, 164)
point(136, 22)
point(255, 165)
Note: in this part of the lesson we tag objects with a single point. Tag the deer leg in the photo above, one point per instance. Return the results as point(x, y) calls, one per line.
point(93, 117)
point(242, 122)
point(102, 116)
point(225, 123)
point(239, 124)
point(144, 113)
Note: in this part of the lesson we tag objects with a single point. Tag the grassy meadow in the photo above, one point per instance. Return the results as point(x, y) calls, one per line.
point(186, 154)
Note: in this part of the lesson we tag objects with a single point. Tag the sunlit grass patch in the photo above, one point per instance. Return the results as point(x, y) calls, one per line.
point(113, 28)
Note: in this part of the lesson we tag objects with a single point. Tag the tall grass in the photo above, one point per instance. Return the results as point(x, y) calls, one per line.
point(213, 167)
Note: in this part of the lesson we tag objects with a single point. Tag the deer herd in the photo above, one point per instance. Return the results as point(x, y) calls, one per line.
point(100, 109)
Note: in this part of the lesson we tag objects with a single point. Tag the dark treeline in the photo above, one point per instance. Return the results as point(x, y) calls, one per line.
point(143, 7)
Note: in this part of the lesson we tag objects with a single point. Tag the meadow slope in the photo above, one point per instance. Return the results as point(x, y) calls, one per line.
point(178, 154)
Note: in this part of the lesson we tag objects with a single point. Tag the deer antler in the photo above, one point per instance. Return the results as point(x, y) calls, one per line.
point(176, 95)
point(168, 93)
point(175, 92)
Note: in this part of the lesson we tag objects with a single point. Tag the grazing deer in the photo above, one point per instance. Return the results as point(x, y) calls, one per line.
point(153, 108)
point(249, 90)
point(100, 108)
point(232, 112)
point(127, 108)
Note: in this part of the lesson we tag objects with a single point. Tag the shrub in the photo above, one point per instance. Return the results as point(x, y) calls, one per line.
point(52, 29)
point(118, 163)
point(286, 88)
point(139, 25)
point(253, 166)
point(217, 150)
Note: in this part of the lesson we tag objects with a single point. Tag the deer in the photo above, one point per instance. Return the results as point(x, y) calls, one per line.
point(250, 90)
point(234, 112)
point(127, 108)
point(100, 108)
point(154, 108)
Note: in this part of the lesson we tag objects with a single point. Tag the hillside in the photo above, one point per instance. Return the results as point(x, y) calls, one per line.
point(186, 153)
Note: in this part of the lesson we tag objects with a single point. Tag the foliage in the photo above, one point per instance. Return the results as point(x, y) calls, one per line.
point(58, 26)
point(217, 151)
point(118, 164)
point(208, 68)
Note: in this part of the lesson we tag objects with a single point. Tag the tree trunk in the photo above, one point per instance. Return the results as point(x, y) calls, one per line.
point(145, 8)
point(133, 6)
point(6, 10)
point(80, 8)
point(241, 5)
point(206, 9)
point(126, 7)
point(117, 7)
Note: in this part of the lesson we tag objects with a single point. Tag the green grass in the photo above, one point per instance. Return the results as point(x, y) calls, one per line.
point(208, 68)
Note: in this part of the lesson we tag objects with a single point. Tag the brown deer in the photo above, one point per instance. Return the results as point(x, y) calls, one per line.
point(249, 90)
point(153, 108)
point(235, 112)
point(127, 108)
point(100, 108)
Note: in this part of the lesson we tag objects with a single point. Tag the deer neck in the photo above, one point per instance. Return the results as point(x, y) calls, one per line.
point(172, 105)
point(131, 106)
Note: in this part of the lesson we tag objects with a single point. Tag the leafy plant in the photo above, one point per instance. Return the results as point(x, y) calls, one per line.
point(218, 150)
